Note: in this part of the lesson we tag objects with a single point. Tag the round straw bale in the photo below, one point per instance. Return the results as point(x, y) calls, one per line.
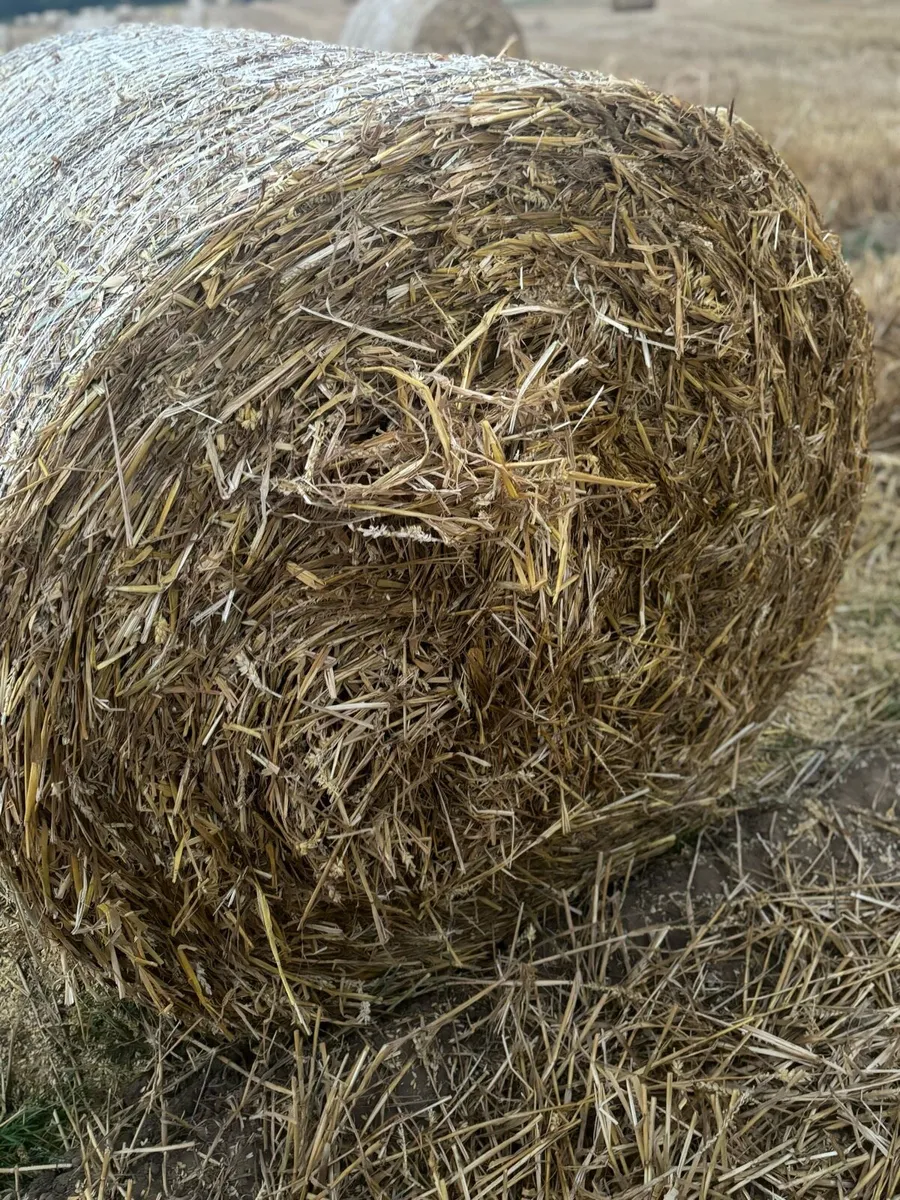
point(417, 475)
point(435, 26)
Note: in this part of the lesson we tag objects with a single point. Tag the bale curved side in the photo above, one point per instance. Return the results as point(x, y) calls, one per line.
point(435, 26)
point(416, 476)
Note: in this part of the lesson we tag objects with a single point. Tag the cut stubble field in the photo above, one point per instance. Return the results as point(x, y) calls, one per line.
point(722, 1023)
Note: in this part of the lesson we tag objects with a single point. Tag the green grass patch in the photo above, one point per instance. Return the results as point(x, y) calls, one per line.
point(30, 1136)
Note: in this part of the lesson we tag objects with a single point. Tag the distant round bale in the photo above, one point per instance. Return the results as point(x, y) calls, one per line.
point(435, 26)
point(417, 477)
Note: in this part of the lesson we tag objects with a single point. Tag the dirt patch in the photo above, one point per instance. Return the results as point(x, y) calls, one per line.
point(844, 823)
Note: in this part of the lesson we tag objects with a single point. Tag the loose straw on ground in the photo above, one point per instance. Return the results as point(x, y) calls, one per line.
point(722, 1025)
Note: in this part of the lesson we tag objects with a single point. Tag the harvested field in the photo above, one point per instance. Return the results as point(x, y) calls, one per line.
point(723, 1024)
point(878, 279)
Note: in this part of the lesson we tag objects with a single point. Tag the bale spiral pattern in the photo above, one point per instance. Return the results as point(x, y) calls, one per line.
point(417, 475)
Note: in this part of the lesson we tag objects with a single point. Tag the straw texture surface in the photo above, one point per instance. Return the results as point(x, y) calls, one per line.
point(416, 476)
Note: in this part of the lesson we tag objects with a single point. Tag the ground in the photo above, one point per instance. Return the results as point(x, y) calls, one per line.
point(728, 1015)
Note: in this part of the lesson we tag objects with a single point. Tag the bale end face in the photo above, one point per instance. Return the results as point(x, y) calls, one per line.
point(402, 501)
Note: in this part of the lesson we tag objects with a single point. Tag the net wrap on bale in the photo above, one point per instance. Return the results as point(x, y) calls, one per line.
point(417, 475)
point(434, 26)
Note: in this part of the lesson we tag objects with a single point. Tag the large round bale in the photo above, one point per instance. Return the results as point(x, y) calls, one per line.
point(877, 277)
point(417, 477)
point(435, 26)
